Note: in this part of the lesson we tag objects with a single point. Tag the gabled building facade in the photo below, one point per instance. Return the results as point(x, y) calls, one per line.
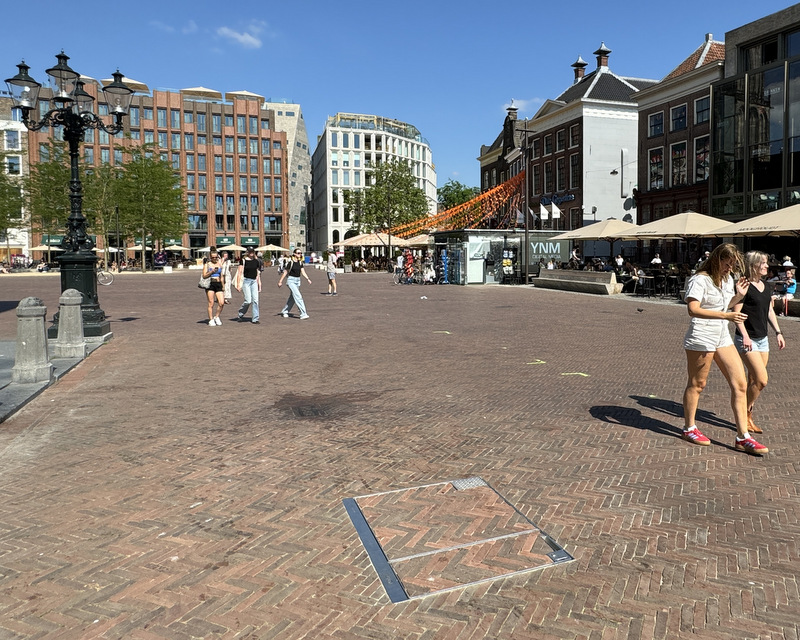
point(14, 146)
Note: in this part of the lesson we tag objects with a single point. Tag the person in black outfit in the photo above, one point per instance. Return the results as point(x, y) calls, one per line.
point(248, 281)
point(751, 335)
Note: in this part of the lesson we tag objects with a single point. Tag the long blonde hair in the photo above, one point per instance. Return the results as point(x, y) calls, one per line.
point(712, 266)
point(752, 264)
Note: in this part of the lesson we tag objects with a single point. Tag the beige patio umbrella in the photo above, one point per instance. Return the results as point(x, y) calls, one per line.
point(109, 249)
point(176, 247)
point(783, 222)
point(271, 247)
point(46, 247)
point(138, 247)
point(603, 230)
point(372, 240)
point(231, 247)
point(422, 240)
point(678, 227)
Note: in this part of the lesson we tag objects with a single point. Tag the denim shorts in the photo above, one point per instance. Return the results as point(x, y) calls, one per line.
point(759, 344)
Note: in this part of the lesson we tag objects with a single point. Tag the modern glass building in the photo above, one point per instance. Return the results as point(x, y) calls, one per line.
point(756, 119)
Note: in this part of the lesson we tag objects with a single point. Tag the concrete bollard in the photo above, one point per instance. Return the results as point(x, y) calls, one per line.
point(70, 342)
point(31, 363)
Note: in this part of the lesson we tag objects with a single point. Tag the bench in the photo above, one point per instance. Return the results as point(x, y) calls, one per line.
point(602, 282)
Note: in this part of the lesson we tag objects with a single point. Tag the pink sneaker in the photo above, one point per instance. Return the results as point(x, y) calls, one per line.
point(695, 437)
point(750, 446)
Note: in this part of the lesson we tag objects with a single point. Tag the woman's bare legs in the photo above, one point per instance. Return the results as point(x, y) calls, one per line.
point(729, 362)
point(698, 364)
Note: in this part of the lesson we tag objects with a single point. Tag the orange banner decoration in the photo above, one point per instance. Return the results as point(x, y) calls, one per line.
point(501, 203)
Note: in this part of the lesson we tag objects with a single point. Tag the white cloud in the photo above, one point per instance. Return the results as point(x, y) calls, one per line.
point(526, 106)
point(249, 38)
point(191, 27)
point(161, 26)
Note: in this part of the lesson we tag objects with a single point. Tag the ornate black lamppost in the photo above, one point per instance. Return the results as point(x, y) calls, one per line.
point(73, 112)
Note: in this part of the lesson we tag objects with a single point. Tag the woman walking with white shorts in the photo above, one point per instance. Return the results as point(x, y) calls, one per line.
point(751, 335)
point(710, 293)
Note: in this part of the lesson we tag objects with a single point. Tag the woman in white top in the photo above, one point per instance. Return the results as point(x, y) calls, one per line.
point(710, 293)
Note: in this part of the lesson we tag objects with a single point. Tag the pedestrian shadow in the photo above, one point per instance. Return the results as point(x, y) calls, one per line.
point(629, 417)
point(672, 408)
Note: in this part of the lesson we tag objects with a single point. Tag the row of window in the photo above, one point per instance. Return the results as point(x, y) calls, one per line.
point(273, 224)
point(377, 142)
point(543, 180)
point(677, 117)
point(244, 124)
point(544, 145)
point(247, 204)
point(678, 164)
point(227, 183)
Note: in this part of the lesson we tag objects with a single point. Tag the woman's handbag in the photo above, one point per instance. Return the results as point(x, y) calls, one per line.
point(204, 283)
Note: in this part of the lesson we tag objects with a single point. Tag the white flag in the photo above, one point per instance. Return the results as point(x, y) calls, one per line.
point(556, 212)
point(520, 217)
point(543, 212)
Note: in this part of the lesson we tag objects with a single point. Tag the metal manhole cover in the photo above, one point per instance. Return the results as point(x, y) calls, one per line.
point(309, 411)
point(447, 536)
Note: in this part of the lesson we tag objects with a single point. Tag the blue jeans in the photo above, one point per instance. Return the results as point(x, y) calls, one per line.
point(250, 291)
point(295, 297)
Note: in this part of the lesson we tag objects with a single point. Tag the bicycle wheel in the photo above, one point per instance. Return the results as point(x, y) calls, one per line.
point(105, 278)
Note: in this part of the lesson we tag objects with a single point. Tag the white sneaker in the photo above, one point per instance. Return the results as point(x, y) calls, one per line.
point(211, 323)
point(305, 316)
point(217, 321)
point(285, 314)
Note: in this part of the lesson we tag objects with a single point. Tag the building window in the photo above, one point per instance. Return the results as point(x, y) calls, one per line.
point(13, 165)
point(12, 140)
point(242, 164)
point(175, 118)
point(162, 117)
point(537, 179)
point(216, 123)
point(176, 141)
point(575, 171)
point(561, 174)
point(148, 136)
point(162, 139)
point(16, 114)
point(190, 162)
point(548, 145)
point(253, 120)
point(147, 113)
point(201, 122)
point(655, 124)
point(548, 177)
point(678, 164)
point(334, 139)
point(760, 54)
point(217, 163)
point(702, 153)
point(537, 147)
point(678, 118)
point(228, 119)
point(88, 155)
point(229, 164)
point(188, 117)
point(229, 144)
point(561, 140)
point(102, 109)
point(240, 124)
point(241, 145)
point(702, 110)
point(574, 135)
point(656, 168)
point(267, 185)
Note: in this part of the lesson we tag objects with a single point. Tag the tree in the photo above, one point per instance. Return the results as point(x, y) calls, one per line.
point(10, 203)
point(150, 197)
point(100, 199)
point(454, 193)
point(47, 190)
point(392, 198)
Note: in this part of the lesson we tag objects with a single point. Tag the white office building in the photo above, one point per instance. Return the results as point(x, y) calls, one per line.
point(351, 143)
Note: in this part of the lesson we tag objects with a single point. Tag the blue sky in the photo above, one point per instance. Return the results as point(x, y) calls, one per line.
point(449, 68)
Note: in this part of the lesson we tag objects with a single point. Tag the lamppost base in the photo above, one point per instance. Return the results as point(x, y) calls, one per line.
point(79, 271)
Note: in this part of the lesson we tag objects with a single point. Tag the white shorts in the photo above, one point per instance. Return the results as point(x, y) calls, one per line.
point(707, 335)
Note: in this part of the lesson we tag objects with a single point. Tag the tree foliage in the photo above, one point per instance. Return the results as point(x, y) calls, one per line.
point(454, 193)
point(47, 190)
point(151, 201)
point(100, 199)
point(392, 198)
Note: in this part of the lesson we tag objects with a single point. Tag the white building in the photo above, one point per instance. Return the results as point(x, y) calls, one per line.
point(13, 144)
point(289, 119)
point(350, 143)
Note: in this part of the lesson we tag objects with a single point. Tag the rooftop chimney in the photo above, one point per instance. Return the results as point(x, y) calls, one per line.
point(580, 68)
point(512, 111)
point(602, 55)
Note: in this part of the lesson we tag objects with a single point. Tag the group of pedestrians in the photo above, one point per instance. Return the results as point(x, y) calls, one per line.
point(218, 280)
point(714, 300)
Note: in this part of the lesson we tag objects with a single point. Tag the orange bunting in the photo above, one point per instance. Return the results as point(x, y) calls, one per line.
point(500, 203)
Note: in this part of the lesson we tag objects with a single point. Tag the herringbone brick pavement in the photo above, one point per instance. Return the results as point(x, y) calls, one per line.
point(187, 481)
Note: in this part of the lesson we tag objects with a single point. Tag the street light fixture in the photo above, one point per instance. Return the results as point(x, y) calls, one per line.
point(73, 113)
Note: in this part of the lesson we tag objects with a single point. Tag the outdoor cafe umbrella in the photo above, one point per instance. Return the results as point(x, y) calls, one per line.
point(271, 247)
point(138, 247)
point(603, 230)
point(783, 222)
point(176, 247)
point(109, 249)
point(372, 240)
point(678, 227)
point(231, 247)
point(422, 240)
point(46, 247)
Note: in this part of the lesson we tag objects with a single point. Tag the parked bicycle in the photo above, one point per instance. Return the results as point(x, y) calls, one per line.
point(104, 277)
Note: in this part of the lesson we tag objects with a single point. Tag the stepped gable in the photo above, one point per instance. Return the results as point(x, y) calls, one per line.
point(709, 52)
